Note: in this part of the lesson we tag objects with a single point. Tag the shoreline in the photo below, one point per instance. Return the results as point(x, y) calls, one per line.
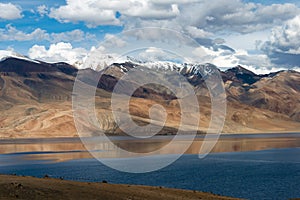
point(74, 148)
point(25, 140)
point(26, 187)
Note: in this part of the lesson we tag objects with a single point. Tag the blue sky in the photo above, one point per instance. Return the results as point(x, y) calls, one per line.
point(260, 35)
point(32, 20)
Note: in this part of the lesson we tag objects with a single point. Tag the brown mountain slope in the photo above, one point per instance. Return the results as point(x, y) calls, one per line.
point(279, 94)
point(35, 101)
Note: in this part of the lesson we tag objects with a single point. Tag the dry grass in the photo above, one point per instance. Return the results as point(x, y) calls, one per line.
point(14, 187)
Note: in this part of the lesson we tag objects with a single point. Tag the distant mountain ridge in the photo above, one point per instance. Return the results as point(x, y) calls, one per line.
point(35, 97)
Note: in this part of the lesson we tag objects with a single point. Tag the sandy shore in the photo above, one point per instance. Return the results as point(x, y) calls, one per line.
point(16, 187)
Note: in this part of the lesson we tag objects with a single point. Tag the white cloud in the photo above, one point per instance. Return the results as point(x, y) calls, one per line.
point(197, 18)
point(204, 20)
point(71, 36)
point(149, 11)
point(168, 2)
point(60, 52)
point(283, 47)
point(42, 10)
point(249, 41)
point(197, 33)
point(81, 58)
point(10, 33)
point(90, 12)
point(156, 54)
point(258, 63)
point(113, 41)
point(235, 15)
point(159, 36)
point(104, 12)
point(10, 11)
point(286, 38)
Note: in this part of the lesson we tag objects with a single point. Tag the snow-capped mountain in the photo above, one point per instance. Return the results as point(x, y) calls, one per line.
point(195, 73)
point(10, 54)
point(99, 61)
point(96, 62)
point(255, 102)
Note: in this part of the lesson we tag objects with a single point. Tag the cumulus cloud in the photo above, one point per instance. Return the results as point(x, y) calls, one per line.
point(105, 12)
point(113, 41)
point(81, 58)
point(222, 57)
point(235, 15)
point(286, 39)
point(199, 19)
point(168, 2)
point(42, 10)
point(256, 60)
point(156, 54)
point(74, 36)
point(10, 11)
point(10, 33)
point(159, 36)
point(150, 11)
point(60, 52)
point(197, 33)
point(203, 20)
point(284, 45)
point(90, 12)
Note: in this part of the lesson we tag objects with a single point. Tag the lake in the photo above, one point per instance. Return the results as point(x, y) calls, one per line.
point(247, 166)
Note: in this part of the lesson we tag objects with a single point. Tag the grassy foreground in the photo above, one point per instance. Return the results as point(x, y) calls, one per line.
point(16, 187)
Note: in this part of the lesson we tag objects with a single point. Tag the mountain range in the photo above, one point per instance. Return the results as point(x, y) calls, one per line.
point(36, 97)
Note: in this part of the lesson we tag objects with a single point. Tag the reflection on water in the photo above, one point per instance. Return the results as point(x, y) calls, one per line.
point(58, 150)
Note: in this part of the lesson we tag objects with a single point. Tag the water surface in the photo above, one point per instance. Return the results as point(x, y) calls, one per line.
point(246, 166)
point(267, 174)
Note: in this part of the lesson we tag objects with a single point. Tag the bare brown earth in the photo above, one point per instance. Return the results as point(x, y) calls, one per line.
point(15, 187)
point(55, 119)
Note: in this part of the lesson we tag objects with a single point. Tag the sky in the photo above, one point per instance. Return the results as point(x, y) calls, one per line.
point(262, 36)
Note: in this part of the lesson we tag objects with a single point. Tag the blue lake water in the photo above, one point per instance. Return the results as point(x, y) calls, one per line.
point(266, 174)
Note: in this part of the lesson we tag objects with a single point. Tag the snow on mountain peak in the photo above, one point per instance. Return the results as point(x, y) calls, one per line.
point(97, 60)
point(4, 54)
